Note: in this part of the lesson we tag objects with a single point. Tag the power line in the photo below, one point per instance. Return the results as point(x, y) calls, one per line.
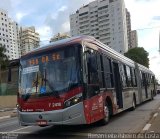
point(148, 28)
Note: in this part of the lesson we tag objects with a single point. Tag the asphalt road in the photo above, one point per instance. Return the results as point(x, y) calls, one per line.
point(125, 122)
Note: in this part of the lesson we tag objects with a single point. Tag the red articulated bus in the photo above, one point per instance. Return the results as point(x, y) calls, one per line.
point(79, 81)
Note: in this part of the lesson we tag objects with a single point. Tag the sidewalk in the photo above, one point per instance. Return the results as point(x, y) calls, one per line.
point(153, 126)
point(7, 113)
point(155, 123)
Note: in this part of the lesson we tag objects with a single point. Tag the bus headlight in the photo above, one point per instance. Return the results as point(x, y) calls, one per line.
point(74, 100)
point(18, 107)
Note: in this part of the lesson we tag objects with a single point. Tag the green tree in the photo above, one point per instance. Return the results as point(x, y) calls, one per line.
point(3, 58)
point(139, 55)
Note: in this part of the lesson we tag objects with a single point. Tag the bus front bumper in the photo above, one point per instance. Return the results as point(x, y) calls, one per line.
point(73, 115)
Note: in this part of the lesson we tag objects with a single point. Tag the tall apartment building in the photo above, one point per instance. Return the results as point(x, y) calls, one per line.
point(128, 21)
point(14, 39)
point(134, 39)
point(9, 35)
point(103, 19)
point(29, 39)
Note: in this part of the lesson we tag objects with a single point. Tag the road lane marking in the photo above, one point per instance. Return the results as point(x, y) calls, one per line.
point(155, 115)
point(147, 126)
point(4, 117)
point(19, 129)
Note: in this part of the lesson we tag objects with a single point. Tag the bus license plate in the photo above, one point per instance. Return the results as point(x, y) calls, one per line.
point(41, 122)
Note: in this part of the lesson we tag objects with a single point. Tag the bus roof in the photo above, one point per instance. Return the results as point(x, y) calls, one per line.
point(60, 43)
point(90, 39)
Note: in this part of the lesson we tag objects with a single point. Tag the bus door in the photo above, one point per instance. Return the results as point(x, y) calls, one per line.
point(145, 84)
point(94, 97)
point(118, 85)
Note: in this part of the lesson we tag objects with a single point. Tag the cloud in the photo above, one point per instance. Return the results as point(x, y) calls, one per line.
point(154, 57)
point(63, 8)
point(145, 20)
point(6, 5)
point(59, 21)
point(156, 18)
point(142, 12)
point(19, 16)
point(66, 26)
point(52, 16)
point(155, 64)
point(45, 32)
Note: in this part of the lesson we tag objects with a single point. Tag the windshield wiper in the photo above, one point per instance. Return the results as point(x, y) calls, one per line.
point(53, 91)
point(72, 85)
point(26, 96)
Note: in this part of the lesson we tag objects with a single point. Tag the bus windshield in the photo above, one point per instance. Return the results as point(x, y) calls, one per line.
point(51, 73)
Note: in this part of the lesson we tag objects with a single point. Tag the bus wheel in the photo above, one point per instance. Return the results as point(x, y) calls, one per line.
point(107, 115)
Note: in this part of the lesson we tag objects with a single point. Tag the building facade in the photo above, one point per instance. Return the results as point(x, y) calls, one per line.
point(14, 39)
point(29, 39)
point(103, 19)
point(9, 35)
point(128, 21)
point(59, 36)
point(134, 39)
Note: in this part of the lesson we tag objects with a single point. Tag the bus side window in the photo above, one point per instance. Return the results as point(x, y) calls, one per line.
point(134, 81)
point(128, 71)
point(147, 79)
point(125, 74)
point(92, 68)
point(93, 80)
point(100, 71)
point(108, 74)
point(141, 78)
point(144, 79)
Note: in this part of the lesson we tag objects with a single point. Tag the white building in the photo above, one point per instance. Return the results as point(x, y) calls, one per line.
point(14, 39)
point(103, 19)
point(9, 35)
point(134, 39)
point(29, 39)
point(59, 36)
point(128, 18)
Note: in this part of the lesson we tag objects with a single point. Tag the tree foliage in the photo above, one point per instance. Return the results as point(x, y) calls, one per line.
point(3, 57)
point(139, 55)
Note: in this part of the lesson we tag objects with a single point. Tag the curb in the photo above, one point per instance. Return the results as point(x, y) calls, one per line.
point(8, 116)
point(149, 123)
point(7, 109)
point(12, 114)
point(5, 117)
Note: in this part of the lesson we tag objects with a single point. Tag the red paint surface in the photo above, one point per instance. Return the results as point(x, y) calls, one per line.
point(47, 103)
point(94, 107)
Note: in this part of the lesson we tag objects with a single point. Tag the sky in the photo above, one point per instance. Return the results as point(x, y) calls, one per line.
point(52, 16)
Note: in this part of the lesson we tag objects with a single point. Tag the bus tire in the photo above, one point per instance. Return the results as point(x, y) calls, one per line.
point(107, 114)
